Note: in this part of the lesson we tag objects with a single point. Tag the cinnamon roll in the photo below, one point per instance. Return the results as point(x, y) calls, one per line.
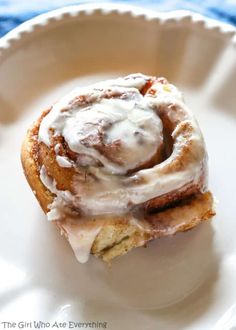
point(117, 164)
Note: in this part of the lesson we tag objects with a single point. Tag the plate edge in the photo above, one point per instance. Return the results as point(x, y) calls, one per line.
point(105, 9)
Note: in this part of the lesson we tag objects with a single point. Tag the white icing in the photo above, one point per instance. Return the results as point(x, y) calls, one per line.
point(125, 116)
point(122, 120)
point(62, 199)
point(81, 239)
point(79, 234)
point(63, 161)
point(57, 148)
point(48, 182)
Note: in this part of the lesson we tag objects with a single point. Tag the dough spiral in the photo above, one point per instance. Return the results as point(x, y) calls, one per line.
point(122, 144)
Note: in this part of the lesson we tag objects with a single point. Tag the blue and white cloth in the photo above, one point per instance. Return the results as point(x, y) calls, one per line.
point(14, 12)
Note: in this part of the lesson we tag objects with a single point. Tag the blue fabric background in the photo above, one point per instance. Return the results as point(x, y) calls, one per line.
point(14, 12)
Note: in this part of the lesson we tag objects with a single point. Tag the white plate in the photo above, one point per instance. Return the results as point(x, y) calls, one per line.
point(189, 280)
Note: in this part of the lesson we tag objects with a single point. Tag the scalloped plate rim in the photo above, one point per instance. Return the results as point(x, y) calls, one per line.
point(47, 18)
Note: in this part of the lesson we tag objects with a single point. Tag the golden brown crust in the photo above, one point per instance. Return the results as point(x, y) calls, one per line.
point(31, 169)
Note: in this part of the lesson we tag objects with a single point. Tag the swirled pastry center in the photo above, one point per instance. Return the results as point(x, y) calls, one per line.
point(120, 134)
point(115, 130)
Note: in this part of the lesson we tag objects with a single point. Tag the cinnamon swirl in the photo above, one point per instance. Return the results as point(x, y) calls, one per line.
point(117, 164)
